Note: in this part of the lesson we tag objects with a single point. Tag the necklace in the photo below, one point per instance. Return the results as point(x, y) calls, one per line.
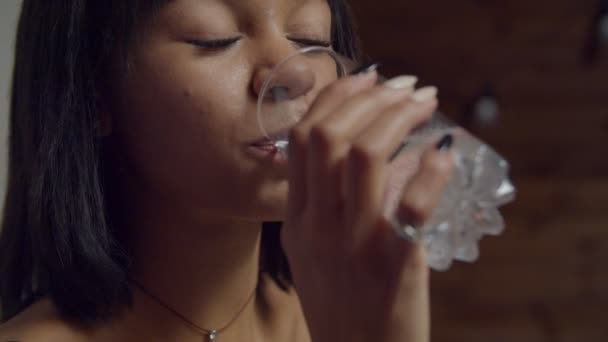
point(210, 334)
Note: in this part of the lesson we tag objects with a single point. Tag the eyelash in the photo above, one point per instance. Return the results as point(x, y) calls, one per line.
point(214, 44)
point(219, 44)
point(310, 42)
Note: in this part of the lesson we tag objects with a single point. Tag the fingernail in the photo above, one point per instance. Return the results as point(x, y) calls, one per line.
point(445, 143)
point(425, 94)
point(366, 68)
point(402, 82)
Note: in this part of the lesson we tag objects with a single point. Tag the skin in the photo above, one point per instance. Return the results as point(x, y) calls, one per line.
point(194, 196)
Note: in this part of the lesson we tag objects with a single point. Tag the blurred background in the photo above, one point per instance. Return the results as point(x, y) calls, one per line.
point(531, 79)
point(8, 20)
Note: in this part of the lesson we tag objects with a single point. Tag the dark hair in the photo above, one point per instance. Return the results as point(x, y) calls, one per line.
point(57, 238)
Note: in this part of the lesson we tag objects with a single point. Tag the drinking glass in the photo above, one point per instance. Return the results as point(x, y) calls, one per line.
point(480, 184)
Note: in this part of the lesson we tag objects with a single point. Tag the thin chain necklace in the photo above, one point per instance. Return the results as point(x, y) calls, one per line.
point(210, 334)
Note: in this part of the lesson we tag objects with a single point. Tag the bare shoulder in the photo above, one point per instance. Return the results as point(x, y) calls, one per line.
point(283, 312)
point(40, 323)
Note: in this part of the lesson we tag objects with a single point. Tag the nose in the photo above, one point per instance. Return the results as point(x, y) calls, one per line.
point(285, 80)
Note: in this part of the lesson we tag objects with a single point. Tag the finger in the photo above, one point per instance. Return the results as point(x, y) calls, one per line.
point(339, 128)
point(330, 140)
point(334, 95)
point(407, 268)
point(366, 171)
point(424, 191)
point(328, 100)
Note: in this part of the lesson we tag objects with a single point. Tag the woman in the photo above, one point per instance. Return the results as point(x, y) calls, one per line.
point(138, 189)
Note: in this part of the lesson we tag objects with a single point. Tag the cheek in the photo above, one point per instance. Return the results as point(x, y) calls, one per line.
point(180, 128)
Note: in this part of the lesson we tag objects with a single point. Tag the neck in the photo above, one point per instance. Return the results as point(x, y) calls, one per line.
point(204, 267)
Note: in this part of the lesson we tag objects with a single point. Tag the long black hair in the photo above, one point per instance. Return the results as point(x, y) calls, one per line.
point(57, 238)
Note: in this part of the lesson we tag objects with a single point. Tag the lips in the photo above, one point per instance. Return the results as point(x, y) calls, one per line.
point(265, 145)
point(270, 141)
point(267, 149)
point(263, 142)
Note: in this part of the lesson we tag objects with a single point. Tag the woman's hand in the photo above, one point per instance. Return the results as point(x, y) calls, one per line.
point(357, 281)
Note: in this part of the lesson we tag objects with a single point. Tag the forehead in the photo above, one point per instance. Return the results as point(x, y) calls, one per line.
point(251, 8)
point(268, 5)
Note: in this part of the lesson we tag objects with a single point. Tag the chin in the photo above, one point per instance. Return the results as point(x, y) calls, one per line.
point(263, 214)
point(270, 204)
point(254, 195)
point(271, 211)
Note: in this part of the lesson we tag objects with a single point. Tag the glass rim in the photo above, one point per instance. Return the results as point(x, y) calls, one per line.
point(336, 56)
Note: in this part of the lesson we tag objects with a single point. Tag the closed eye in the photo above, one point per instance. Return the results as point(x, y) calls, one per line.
point(304, 42)
point(215, 44)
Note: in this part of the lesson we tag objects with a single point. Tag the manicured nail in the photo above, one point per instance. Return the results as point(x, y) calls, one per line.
point(366, 68)
point(425, 94)
point(402, 82)
point(445, 143)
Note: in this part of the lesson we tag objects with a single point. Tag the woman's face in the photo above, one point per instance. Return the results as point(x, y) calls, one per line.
point(186, 118)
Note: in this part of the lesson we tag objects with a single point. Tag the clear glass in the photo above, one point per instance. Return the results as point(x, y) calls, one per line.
point(469, 206)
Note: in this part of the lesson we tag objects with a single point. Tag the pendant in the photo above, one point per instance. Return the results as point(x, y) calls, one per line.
point(213, 335)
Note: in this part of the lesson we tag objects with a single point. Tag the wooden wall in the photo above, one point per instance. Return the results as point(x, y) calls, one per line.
point(546, 278)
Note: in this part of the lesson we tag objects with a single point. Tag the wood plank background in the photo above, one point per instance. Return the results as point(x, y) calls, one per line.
point(546, 278)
